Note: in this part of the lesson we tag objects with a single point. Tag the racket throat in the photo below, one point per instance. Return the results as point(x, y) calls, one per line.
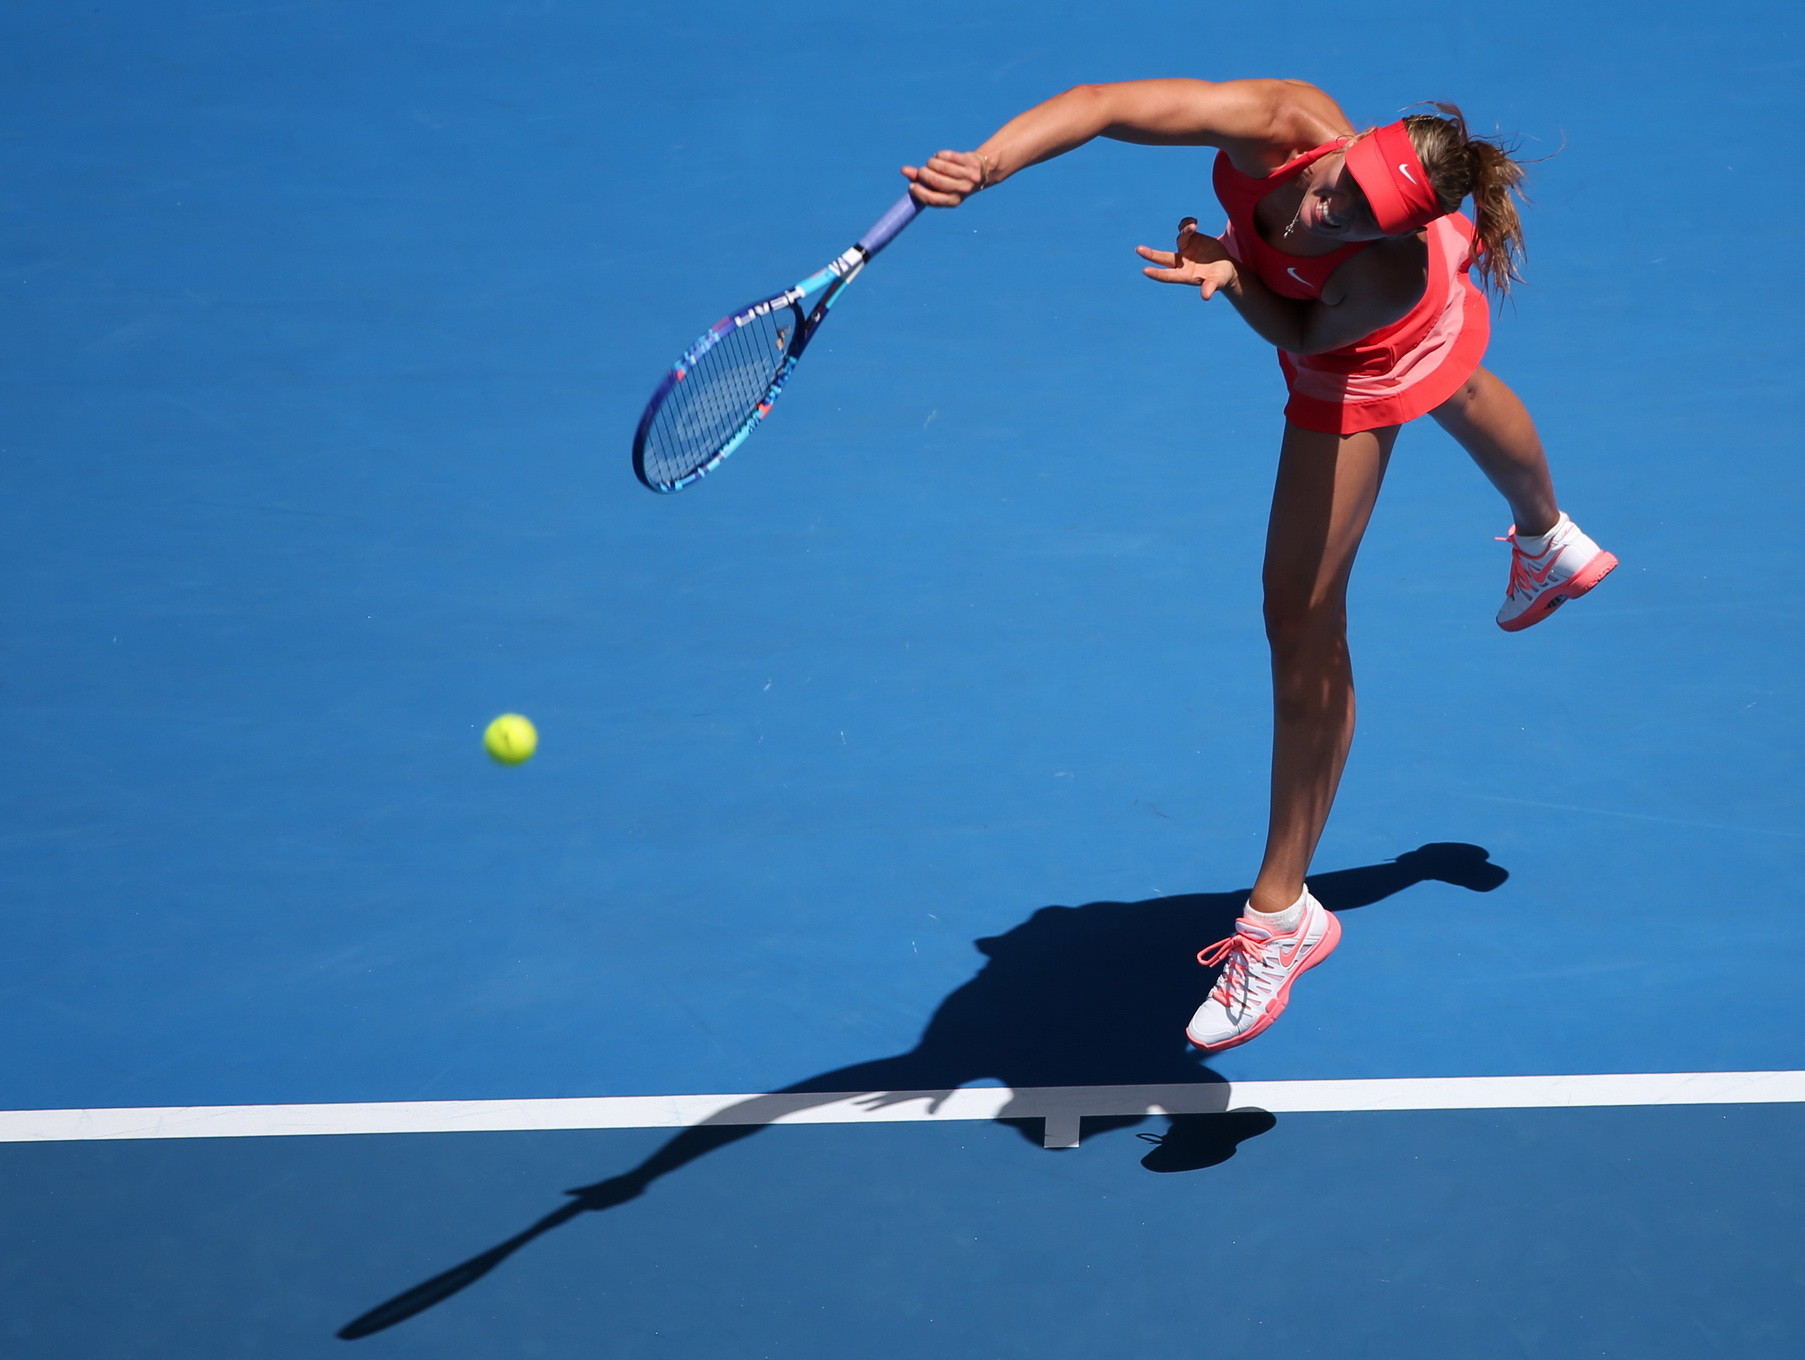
point(847, 267)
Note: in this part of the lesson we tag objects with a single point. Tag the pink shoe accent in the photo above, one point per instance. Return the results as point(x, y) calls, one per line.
point(1578, 584)
point(1238, 942)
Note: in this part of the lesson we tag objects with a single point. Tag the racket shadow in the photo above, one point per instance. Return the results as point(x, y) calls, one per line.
point(1073, 996)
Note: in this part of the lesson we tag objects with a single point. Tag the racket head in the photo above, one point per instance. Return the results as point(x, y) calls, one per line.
point(715, 395)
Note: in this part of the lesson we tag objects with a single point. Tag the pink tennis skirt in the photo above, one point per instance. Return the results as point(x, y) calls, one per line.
point(1409, 368)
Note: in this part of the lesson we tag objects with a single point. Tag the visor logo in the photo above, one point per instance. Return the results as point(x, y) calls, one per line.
point(1405, 171)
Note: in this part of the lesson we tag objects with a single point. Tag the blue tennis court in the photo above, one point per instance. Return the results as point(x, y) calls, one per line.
point(911, 756)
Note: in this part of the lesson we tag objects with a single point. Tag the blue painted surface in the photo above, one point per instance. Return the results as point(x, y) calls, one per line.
point(1527, 1234)
point(333, 321)
point(327, 328)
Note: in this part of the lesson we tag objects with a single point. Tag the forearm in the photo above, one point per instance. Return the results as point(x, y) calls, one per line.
point(1063, 123)
point(1280, 321)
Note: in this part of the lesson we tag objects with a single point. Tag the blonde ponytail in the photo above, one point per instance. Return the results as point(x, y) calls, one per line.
point(1461, 165)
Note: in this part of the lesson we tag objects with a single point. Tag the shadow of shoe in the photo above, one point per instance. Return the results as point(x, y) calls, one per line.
point(1198, 1140)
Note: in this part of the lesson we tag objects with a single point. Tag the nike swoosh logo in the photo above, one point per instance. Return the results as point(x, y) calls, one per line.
point(1405, 170)
point(1529, 579)
point(1299, 277)
point(1286, 959)
point(1540, 576)
point(1544, 573)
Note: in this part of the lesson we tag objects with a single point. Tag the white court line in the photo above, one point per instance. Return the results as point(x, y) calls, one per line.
point(1060, 1106)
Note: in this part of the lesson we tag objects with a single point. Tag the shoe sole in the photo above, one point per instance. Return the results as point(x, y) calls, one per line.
point(1580, 582)
point(1324, 947)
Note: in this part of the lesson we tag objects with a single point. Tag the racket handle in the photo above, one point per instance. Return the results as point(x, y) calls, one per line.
point(883, 231)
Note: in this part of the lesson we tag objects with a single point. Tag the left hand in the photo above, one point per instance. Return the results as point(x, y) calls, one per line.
point(1199, 260)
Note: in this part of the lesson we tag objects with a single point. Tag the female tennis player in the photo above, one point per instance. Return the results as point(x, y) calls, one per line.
point(1348, 251)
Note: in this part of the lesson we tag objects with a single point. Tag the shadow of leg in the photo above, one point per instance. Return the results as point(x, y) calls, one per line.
point(1465, 866)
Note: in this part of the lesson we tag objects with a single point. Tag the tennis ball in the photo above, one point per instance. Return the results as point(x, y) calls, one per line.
point(510, 739)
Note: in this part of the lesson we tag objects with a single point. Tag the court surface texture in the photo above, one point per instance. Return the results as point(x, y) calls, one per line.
point(836, 947)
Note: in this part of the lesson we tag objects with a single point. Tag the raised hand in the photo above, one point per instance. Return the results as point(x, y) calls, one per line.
point(948, 178)
point(1199, 260)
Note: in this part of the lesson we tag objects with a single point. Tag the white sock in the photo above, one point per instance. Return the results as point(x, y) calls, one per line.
point(1537, 544)
point(1280, 922)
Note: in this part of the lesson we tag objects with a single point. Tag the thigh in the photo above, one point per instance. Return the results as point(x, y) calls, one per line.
point(1485, 414)
point(1327, 484)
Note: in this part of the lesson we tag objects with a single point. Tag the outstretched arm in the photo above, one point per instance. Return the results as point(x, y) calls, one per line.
point(1371, 291)
point(1255, 121)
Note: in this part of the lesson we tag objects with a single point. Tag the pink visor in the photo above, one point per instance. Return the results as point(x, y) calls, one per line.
point(1385, 166)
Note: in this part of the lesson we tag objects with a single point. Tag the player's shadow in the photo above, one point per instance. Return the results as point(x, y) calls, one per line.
point(1073, 996)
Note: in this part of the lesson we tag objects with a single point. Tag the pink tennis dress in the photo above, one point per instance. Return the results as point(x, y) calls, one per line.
point(1397, 373)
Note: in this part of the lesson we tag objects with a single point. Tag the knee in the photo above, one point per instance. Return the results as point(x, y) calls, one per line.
point(1301, 618)
point(1462, 400)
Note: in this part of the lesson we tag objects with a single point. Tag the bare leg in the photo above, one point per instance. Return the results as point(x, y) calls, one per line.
point(1326, 488)
point(1494, 427)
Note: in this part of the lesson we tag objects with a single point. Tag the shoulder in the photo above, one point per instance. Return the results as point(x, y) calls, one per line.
point(1293, 117)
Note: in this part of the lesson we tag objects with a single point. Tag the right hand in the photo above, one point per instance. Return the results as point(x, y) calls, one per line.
point(947, 180)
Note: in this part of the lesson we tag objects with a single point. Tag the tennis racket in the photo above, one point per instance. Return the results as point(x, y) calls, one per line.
point(716, 394)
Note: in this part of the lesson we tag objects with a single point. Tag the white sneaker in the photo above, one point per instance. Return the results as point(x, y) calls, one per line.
point(1258, 968)
point(1567, 568)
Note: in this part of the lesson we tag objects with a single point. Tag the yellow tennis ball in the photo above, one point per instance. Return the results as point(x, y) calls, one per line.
point(510, 739)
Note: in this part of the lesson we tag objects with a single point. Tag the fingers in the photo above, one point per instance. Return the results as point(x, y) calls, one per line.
point(1208, 284)
point(1170, 268)
point(1198, 261)
point(922, 189)
point(963, 166)
point(946, 180)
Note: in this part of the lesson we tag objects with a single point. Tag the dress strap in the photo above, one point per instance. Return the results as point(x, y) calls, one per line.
point(1272, 179)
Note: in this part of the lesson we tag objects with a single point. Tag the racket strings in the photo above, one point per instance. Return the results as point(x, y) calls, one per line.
point(716, 396)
